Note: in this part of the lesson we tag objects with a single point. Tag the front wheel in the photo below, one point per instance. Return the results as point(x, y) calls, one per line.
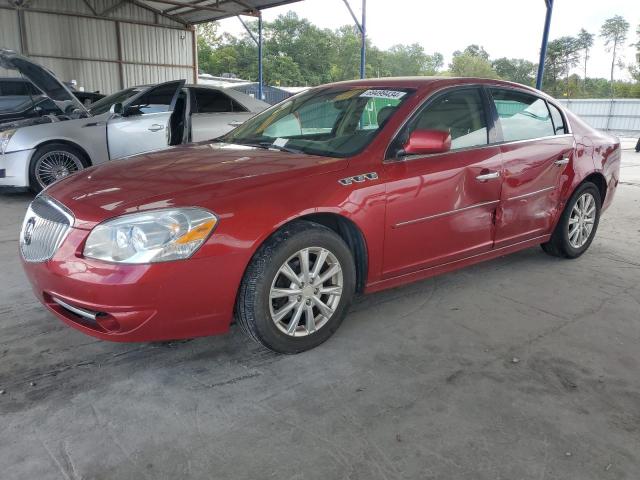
point(297, 289)
point(52, 162)
point(577, 225)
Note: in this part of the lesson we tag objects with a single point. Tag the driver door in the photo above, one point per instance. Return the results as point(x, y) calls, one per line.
point(144, 124)
point(441, 207)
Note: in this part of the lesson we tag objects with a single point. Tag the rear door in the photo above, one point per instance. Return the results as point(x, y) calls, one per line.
point(214, 113)
point(536, 152)
point(144, 125)
point(441, 207)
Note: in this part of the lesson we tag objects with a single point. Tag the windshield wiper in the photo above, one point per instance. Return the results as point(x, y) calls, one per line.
point(268, 146)
point(282, 148)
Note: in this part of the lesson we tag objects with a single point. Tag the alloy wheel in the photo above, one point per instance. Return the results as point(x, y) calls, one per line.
point(306, 291)
point(582, 220)
point(54, 165)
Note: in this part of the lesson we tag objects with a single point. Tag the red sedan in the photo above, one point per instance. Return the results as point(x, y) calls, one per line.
point(345, 189)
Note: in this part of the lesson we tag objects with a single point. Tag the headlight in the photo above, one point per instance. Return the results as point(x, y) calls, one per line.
point(5, 136)
point(156, 236)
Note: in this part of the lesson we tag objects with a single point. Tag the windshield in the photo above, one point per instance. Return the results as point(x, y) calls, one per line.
point(104, 104)
point(336, 121)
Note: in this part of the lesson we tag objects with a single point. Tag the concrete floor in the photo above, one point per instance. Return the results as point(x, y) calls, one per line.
point(524, 367)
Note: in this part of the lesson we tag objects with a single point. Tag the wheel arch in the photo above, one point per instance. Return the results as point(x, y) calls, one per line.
point(345, 227)
point(70, 143)
point(352, 236)
point(599, 180)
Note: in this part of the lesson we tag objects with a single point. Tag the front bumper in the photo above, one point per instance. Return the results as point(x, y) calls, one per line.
point(16, 168)
point(137, 303)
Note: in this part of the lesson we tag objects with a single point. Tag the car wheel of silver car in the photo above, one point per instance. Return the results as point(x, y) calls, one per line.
point(297, 289)
point(577, 225)
point(52, 162)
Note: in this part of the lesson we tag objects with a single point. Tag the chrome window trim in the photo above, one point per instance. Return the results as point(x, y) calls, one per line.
point(475, 147)
point(443, 214)
point(491, 145)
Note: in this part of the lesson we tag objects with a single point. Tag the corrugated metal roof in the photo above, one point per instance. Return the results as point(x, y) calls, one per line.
point(201, 11)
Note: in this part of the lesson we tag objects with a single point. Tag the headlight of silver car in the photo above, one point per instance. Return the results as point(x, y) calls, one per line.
point(156, 236)
point(5, 136)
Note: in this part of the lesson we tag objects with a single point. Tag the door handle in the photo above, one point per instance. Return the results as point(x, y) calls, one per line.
point(562, 161)
point(235, 123)
point(487, 176)
point(155, 127)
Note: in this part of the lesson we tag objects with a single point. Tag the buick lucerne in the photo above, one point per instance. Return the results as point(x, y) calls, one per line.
point(345, 189)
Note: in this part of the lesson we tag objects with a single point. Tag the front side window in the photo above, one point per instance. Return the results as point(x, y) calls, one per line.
point(460, 112)
point(104, 104)
point(336, 121)
point(155, 101)
point(522, 116)
point(558, 122)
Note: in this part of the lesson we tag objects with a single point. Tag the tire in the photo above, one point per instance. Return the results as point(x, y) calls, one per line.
point(258, 313)
point(562, 244)
point(54, 161)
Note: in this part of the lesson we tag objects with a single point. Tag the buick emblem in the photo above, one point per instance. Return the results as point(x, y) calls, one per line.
point(28, 231)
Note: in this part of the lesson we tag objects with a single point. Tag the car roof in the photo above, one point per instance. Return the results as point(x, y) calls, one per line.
point(424, 82)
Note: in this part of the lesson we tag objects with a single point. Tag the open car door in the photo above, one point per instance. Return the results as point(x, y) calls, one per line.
point(143, 125)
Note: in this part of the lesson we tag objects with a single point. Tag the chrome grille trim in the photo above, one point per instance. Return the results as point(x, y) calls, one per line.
point(45, 227)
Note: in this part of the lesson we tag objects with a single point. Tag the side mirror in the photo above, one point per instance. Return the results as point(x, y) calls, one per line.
point(117, 108)
point(424, 142)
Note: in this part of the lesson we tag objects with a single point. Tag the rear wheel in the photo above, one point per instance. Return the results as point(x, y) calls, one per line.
point(578, 224)
point(297, 289)
point(52, 162)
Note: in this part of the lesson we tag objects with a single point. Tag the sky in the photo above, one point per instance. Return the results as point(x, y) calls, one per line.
point(505, 28)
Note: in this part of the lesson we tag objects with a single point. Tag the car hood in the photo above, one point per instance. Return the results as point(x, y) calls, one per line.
point(190, 175)
point(42, 78)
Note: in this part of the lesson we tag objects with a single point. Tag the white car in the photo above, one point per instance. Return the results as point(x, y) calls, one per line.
point(36, 152)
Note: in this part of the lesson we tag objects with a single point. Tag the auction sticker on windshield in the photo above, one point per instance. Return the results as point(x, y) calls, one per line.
point(394, 94)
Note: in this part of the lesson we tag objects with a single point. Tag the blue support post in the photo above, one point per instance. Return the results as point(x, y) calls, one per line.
point(545, 41)
point(363, 47)
point(260, 81)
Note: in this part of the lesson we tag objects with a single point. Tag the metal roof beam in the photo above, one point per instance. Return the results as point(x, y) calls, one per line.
point(193, 5)
point(353, 15)
point(174, 17)
point(110, 9)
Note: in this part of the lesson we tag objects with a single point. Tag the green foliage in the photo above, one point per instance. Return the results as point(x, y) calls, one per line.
point(614, 32)
point(298, 53)
point(516, 70)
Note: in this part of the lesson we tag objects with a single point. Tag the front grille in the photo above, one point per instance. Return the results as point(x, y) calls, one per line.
point(45, 226)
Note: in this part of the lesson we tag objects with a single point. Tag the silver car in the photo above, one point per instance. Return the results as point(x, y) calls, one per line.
point(36, 152)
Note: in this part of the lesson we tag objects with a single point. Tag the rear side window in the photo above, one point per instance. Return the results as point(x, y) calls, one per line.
point(558, 122)
point(522, 116)
point(461, 113)
point(214, 101)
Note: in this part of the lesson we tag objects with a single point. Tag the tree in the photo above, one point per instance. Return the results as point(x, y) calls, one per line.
point(562, 56)
point(614, 31)
point(585, 42)
point(474, 51)
point(635, 69)
point(473, 61)
point(516, 70)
